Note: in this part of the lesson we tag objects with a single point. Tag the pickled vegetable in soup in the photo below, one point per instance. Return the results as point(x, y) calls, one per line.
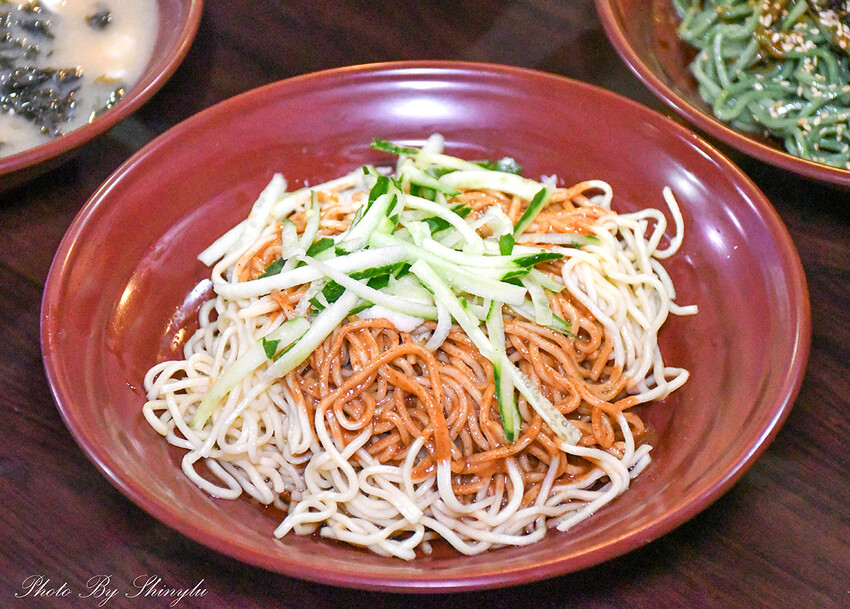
point(64, 62)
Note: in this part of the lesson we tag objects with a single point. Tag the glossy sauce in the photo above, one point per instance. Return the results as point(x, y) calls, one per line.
point(110, 57)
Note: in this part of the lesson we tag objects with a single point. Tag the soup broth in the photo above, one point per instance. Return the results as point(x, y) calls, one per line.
point(64, 62)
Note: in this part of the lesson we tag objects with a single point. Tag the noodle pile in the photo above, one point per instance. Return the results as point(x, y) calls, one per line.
point(389, 434)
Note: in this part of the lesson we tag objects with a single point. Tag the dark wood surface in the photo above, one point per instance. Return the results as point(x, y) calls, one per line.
point(779, 538)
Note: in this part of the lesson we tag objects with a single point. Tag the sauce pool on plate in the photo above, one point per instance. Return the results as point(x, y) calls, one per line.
point(64, 62)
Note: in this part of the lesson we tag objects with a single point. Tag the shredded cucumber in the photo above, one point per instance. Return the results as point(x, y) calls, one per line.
point(286, 334)
point(320, 328)
point(565, 430)
point(505, 392)
point(496, 180)
point(406, 258)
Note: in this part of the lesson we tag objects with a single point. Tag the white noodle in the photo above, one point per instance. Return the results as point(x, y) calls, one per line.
point(260, 442)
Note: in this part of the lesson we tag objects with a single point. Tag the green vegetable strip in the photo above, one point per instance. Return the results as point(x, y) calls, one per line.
point(469, 235)
point(482, 178)
point(358, 234)
point(443, 293)
point(320, 328)
point(393, 303)
point(313, 220)
point(355, 261)
point(559, 324)
point(556, 421)
point(320, 246)
point(479, 281)
point(506, 244)
point(542, 312)
point(438, 275)
point(540, 200)
point(286, 334)
point(507, 262)
point(508, 409)
point(385, 146)
point(411, 172)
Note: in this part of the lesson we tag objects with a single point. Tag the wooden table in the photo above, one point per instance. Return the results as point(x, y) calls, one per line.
point(780, 538)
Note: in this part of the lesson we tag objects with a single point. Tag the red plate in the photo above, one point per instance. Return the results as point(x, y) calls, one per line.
point(122, 278)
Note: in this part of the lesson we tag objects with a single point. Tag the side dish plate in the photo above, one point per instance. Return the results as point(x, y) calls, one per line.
point(645, 36)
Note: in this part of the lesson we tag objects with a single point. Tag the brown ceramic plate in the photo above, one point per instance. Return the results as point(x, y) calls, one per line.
point(120, 292)
point(644, 34)
point(178, 23)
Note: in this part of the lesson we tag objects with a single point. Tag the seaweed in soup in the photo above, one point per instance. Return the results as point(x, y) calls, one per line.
point(43, 95)
point(24, 28)
point(101, 18)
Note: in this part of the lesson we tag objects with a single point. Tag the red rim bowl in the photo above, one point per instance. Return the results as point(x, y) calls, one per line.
point(178, 24)
point(644, 35)
point(120, 291)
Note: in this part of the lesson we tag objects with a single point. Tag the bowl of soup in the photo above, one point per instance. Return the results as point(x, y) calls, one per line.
point(71, 69)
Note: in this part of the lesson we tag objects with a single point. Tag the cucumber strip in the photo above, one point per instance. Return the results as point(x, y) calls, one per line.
point(546, 281)
point(314, 216)
point(273, 268)
point(358, 234)
point(285, 334)
point(565, 430)
point(418, 231)
point(542, 312)
point(495, 180)
point(386, 146)
point(424, 156)
point(393, 303)
point(320, 328)
point(483, 282)
point(505, 395)
point(409, 287)
point(428, 156)
point(526, 311)
point(564, 239)
point(284, 205)
point(444, 295)
point(474, 283)
point(540, 200)
point(320, 246)
point(356, 261)
point(311, 296)
point(289, 244)
point(410, 172)
point(231, 245)
point(402, 321)
point(444, 161)
point(557, 422)
point(288, 235)
point(476, 243)
point(506, 244)
point(508, 262)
